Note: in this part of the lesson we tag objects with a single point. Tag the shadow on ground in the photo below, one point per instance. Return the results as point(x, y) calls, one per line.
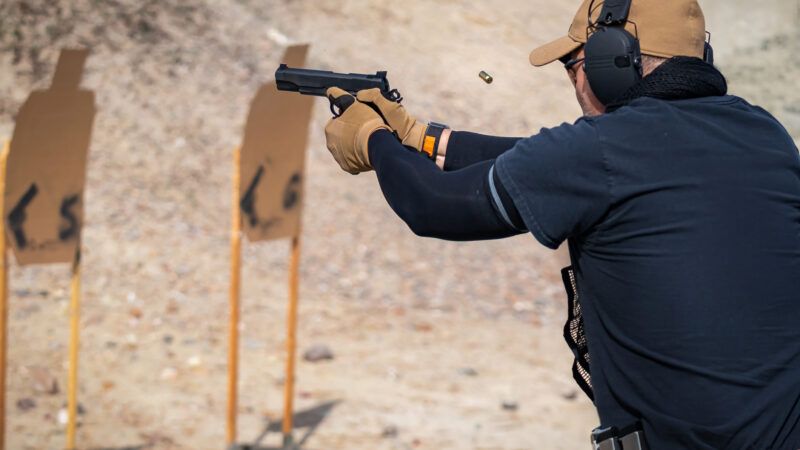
point(308, 420)
point(132, 447)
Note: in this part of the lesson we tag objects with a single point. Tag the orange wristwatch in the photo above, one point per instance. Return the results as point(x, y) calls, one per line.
point(433, 135)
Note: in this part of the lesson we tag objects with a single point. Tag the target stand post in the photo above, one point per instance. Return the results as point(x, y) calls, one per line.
point(74, 347)
point(234, 296)
point(291, 346)
point(235, 319)
point(3, 301)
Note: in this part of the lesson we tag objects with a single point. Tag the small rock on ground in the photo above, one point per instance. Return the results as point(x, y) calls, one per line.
point(389, 431)
point(468, 372)
point(26, 404)
point(318, 352)
point(509, 405)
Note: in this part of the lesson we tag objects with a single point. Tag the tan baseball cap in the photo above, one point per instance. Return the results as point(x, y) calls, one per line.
point(665, 28)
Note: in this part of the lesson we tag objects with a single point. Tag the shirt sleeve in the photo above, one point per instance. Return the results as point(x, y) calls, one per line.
point(456, 206)
point(558, 180)
point(465, 149)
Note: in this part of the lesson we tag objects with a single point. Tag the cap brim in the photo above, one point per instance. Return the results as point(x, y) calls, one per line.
point(552, 51)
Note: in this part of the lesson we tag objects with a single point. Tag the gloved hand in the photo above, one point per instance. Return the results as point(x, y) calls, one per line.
point(410, 131)
point(348, 134)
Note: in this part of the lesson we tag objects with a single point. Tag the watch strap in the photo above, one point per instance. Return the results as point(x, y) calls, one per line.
point(433, 135)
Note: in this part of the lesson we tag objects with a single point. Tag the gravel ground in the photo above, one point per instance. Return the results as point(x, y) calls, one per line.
point(429, 339)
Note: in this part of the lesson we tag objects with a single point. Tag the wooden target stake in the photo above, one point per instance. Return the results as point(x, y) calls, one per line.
point(74, 325)
point(3, 301)
point(233, 331)
point(291, 344)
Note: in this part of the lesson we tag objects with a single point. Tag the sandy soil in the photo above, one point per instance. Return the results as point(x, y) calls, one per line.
point(429, 338)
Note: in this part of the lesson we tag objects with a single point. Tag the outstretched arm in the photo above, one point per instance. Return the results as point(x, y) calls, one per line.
point(454, 150)
point(460, 205)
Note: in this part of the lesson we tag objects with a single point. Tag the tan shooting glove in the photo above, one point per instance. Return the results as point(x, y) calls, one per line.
point(347, 135)
point(410, 131)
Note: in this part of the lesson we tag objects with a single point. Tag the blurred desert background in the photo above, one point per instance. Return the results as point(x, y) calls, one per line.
point(434, 345)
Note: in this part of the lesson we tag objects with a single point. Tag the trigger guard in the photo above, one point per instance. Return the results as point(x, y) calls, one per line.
point(335, 113)
point(342, 103)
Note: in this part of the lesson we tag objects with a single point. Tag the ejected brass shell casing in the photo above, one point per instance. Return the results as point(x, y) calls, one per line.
point(486, 77)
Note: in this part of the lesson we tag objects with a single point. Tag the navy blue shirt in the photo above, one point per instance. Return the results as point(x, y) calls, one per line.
point(683, 222)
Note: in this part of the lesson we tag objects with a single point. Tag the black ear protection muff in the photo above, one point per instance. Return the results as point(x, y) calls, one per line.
point(613, 58)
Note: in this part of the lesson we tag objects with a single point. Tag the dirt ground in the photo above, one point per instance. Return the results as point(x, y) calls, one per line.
point(430, 339)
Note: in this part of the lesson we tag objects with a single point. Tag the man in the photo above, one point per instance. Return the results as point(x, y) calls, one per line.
point(681, 206)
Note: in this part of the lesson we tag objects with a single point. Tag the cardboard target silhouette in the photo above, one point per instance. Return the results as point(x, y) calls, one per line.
point(267, 204)
point(43, 176)
point(273, 158)
point(46, 167)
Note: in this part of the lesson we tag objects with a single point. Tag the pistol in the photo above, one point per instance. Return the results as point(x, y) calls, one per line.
point(317, 82)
